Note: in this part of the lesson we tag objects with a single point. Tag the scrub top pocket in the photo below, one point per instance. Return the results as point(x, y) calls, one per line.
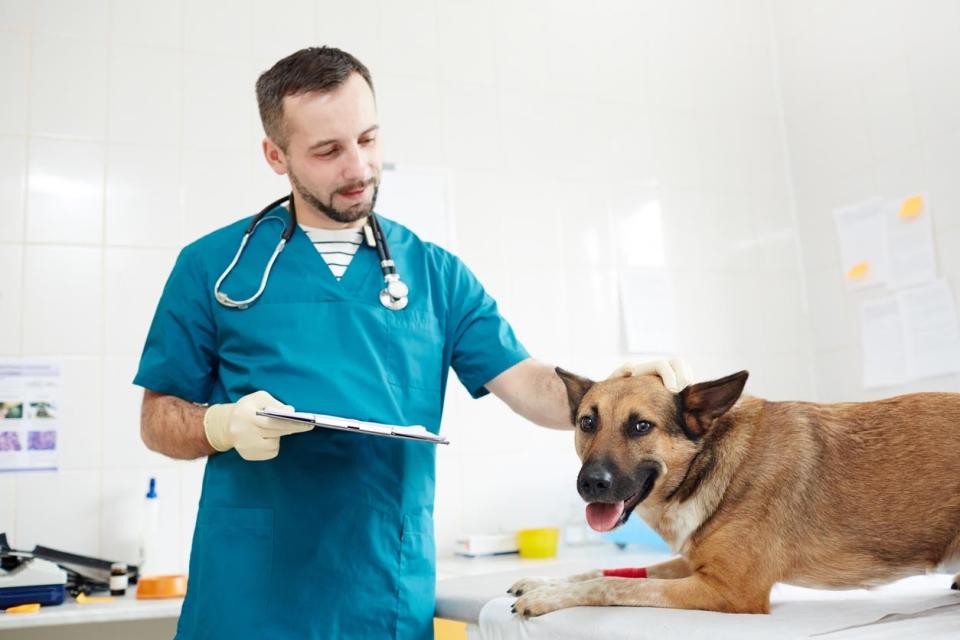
point(415, 350)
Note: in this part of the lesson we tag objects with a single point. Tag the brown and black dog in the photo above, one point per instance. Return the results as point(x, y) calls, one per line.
point(751, 492)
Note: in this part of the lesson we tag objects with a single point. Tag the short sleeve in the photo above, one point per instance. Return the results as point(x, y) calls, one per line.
point(180, 355)
point(484, 345)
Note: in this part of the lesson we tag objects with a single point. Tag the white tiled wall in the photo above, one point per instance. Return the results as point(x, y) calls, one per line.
point(872, 107)
point(130, 128)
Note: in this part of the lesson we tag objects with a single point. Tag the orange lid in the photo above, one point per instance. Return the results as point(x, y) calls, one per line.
point(151, 587)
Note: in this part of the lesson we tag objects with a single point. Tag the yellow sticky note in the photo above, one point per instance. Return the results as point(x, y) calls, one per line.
point(33, 607)
point(911, 207)
point(859, 270)
point(83, 598)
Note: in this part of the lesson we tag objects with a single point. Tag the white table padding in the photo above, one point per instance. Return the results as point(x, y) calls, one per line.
point(917, 607)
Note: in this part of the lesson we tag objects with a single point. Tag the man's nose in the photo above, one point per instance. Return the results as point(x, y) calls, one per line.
point(595, 482)
point(355, 163)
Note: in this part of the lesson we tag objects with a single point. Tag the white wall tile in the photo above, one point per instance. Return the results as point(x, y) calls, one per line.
point(8, 507)
point(133, 282)
point(64, 66)
point(935, 69)
point(353, 27)
point(299, 29)
point(411, 117)
point(11, 301)
point(143, 196)
point(13, 170)
point(408, 33)
point(219, 26)
point(942, 157)
point(219, 104)
point(79, 437)
point(65, 191)
point(471, 128)
point(62, 300)
point(465, 34)
point(82, 18)
point(513, 22)
point(145, 103)
point(209, 199)
point(14, 69)
point(146, 23)
point(16, 14)
point(60, 510)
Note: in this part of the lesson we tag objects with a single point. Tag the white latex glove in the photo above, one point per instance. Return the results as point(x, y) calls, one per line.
point(674, 373)
point(237, 426)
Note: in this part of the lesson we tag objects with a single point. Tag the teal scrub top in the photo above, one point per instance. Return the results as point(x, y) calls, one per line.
point(333, 538)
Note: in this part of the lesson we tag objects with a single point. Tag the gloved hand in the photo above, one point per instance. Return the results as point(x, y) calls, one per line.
point(674, 373)
point(237, 426)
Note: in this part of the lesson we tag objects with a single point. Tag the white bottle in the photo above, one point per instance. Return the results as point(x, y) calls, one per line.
point(150, 534)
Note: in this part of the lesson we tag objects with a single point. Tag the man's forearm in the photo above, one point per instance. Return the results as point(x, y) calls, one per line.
point(173, 427)
point(535, 391)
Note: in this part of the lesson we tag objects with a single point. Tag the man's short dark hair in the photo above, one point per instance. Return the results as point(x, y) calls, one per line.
point(321, 69)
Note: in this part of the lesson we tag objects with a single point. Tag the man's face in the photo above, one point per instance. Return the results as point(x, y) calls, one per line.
point(333, 152)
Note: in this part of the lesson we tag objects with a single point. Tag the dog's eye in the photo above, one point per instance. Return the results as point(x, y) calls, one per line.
point(642, 427)
point(586, 423)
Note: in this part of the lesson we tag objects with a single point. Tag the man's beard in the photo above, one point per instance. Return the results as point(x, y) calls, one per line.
point(340, 215)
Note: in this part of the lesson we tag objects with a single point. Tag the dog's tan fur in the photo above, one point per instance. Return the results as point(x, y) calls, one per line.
point(833, 496)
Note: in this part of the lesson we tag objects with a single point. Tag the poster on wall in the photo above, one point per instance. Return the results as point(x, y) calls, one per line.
point(30, 411)
point(886, 241)
point(912, 335)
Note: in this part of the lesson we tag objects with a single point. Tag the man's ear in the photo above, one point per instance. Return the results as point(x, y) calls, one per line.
point(702, 403)
point(577, 387)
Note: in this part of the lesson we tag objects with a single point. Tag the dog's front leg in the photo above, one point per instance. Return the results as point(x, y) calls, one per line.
point(674, 568)
point(692, 592)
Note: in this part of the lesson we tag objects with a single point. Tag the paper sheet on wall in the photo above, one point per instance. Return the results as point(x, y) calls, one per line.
point(931, 330)
point(912, 335)
point(884, 351)
point(418, 198)
point(29, 416)
point(647, 307)
point(886, 241)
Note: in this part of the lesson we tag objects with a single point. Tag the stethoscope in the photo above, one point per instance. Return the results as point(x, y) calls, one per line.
point(393, 295)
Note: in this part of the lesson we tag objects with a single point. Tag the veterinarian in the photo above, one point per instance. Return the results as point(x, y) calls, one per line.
point(320, 534)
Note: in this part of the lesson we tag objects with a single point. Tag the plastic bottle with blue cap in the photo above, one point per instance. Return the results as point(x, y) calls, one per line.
point(150, 534)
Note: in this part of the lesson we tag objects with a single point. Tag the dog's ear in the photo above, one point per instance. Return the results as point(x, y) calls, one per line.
point(577, 387)
point(702, 403)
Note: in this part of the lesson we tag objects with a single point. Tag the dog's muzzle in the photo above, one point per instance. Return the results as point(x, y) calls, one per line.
point(613, 495)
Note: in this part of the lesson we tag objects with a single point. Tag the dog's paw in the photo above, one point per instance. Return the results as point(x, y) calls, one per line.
point(547, 598)
point(527, 585)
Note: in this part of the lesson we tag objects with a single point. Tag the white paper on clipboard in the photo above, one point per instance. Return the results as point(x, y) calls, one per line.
point(415, 432)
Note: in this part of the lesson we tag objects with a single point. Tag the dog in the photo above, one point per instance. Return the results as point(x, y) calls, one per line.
point(751, 492)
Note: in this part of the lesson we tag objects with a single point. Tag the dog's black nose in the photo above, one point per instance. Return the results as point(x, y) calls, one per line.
point(594, 482)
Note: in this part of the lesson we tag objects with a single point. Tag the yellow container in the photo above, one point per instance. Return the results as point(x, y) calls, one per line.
point(538, 543)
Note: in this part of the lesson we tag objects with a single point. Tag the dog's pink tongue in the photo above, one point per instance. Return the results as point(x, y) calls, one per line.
point(602, 516)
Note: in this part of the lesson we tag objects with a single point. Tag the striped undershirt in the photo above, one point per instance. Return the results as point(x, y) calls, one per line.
point(337, 246)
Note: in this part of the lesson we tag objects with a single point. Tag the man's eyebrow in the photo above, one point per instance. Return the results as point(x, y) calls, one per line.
point(323, 143)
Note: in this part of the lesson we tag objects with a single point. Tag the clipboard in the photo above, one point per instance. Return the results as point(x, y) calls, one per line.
point(415, 432)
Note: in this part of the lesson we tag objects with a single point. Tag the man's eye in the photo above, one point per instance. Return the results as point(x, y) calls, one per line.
point(366, 141)
point(587, 423)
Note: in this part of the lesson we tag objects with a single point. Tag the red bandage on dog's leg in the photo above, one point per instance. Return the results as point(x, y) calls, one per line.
point(639, 572)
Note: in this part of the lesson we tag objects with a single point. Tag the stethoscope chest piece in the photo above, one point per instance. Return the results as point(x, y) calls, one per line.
point(394, 295)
